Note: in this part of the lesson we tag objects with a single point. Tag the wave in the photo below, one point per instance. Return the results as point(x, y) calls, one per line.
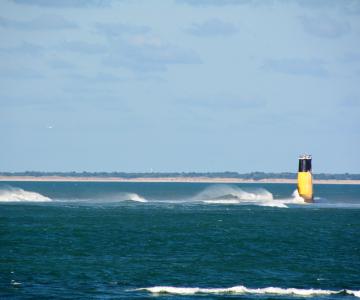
point(11, 194)
point(129, 197)
point(239, 290)
point(14, 194)
point(229, 194)
point(222, 201)
point(106, 199)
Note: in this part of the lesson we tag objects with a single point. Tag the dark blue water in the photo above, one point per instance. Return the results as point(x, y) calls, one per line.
point(110, 240)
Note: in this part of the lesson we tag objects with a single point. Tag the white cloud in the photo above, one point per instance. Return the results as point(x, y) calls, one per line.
point(325, 27)
point(24, 48)
point(118, 28)
point(44, 22)
point(312, 67)
point(213, 27)
point(64, 3)
point(147, 53)
point(82, 47)
point(213, 2)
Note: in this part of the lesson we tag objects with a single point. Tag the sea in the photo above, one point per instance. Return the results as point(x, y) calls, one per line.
point(111, 240)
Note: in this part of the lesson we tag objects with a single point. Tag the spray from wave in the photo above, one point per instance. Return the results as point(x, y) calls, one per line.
point(129, 197)
point(228, 194)
point(296, 198)
point(112, 198)
point(214, 194)
point(241, 290)
point(11, 194)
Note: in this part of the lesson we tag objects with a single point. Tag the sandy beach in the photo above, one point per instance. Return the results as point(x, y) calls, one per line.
point(168, 179)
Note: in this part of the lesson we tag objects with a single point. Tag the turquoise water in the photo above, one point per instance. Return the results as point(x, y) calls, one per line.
point(178, 241)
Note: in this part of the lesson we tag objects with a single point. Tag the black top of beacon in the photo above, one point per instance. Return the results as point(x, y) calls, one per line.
point(305, 163)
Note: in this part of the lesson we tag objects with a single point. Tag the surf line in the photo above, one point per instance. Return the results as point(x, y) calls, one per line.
point(239, 290)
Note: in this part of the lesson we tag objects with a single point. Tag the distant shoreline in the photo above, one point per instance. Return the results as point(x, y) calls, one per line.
point(169, 179)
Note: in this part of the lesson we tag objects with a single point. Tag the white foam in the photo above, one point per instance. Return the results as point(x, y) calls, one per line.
point(296, 198)
point(221, 201)
point(244, 290)
point(229, 194)
point(11, 194)
point(15, 283)
point(355, 293)
point(130, 197)
point(275, 203)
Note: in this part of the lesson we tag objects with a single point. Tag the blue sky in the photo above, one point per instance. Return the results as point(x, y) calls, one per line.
point(179, 85)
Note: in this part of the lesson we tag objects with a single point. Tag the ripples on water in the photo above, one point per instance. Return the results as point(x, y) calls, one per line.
point(178, 241)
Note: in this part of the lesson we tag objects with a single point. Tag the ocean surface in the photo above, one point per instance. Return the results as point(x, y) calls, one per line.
point(79, 240)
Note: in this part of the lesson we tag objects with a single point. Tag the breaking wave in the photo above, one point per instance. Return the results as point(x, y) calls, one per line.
point(130, 197)
point(228, 194)
point(241, 290)
point(11, 194)
point(106, 199)
point(217, 194)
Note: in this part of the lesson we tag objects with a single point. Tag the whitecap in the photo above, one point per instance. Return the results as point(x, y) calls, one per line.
point(244, 290)
point(224, 201)
point(12, 194)
point(231, 194)
point(132, 197)
point(15, 283)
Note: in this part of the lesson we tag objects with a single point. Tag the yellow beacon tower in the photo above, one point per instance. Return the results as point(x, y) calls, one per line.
point(305, 185)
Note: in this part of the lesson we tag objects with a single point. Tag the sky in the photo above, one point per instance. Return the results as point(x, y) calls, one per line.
point(179, 85)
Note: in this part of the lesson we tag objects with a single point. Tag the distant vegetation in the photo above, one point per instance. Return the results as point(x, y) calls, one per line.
point(252, 175)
